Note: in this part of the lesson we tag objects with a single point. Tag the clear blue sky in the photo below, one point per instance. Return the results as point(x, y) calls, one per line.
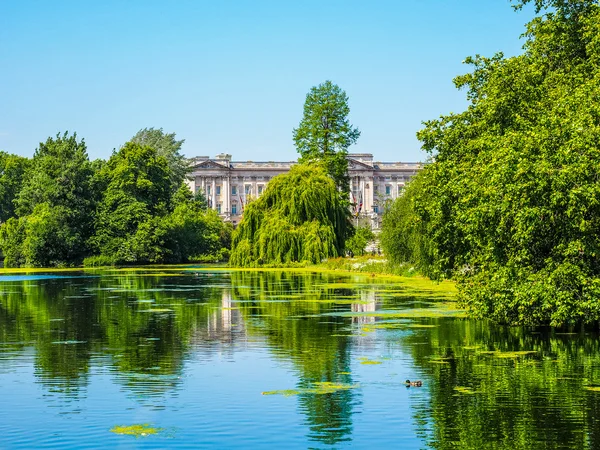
point(231, 76)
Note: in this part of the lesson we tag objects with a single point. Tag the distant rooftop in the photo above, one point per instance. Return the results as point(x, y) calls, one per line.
point(364, 158)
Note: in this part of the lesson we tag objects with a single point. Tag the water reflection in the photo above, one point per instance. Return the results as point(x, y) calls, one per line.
point(484, 386)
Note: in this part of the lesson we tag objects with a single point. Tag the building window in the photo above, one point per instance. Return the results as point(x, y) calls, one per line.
point(260, 189)
point(234, 209)
point(400, 189)
point(208, 190)
point(388, 189)
point(219, 208)
point(248, 189)
point(218, 190)
point(376, 209)
point(233, 190)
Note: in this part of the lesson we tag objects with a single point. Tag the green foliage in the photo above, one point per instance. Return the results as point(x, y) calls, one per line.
point(133, 208)
point(98, 261)
point(60, 175)
point(12, 171)
point(12, 235)
point(55, 207)
point(41, 239)
point(299, 217)
point(324, 133)
point(511, 202)
point(166, 146)
point(144, 218)
point(404, 238)
point(359, 240)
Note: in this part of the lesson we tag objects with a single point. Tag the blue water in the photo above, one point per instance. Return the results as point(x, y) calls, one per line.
point(193, 354)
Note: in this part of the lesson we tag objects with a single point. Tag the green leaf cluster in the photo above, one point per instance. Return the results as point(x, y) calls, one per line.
point(12, 170)
point(299, 217)
point(359, 240)
point(510, 202)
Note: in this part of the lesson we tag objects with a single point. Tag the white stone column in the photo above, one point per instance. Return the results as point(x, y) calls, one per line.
point(226, 194)
point(363, 197)
point(351, 188)
point(370, 195)
point(213, 193)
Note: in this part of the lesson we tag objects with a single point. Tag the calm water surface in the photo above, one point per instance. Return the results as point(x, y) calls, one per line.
point(279, 359)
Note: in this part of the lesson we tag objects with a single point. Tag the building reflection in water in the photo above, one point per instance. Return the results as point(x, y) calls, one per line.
point(224, 324)
point(369, 303)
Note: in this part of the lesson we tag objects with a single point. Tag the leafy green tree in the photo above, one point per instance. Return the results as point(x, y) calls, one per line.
point(299, 217)
point(144, 218)
point(359, 240)
point(12, 235)
point(324, 133)
point(55, 207)
point(60, 175)
point(138, 186)
point(403, 237)
point(166, 146)
point(12, 171)
point(511, 202)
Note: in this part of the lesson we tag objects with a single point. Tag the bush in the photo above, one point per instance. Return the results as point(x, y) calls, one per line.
point(99, 261)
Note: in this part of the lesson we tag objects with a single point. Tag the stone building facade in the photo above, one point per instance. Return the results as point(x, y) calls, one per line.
point(230, 185)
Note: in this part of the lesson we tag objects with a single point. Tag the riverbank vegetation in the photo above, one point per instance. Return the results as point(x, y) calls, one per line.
point(134, 208)
point(508, 205)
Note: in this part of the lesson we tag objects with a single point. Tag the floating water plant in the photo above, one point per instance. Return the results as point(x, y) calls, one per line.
point(140, 430)
point(464, 390)
point(368, 361)
point(500, 354)
point(321, 387)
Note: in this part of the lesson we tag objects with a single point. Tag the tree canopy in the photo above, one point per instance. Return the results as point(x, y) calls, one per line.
point(299, 218)
point(166, 146)
point(325, 133)
point(12, 171)
point(510, 203)
point(133, 208)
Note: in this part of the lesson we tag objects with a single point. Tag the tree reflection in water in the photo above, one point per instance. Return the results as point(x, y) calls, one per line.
point(484, 386)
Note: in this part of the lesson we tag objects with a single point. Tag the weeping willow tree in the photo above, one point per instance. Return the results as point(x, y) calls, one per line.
point(301, 217)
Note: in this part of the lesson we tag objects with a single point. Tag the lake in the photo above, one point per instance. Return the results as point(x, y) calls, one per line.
point(167, 357)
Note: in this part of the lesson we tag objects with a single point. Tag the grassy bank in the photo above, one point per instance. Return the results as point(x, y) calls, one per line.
point(373, 265)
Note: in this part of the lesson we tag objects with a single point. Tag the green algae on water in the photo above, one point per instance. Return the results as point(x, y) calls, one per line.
point(501, 354)
point(464, 390)
point(322, 387)
point(368, 361)
point(139, 430)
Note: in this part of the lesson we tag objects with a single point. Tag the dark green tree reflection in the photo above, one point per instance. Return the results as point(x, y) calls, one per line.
point(296, 331)
point(501, 387)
